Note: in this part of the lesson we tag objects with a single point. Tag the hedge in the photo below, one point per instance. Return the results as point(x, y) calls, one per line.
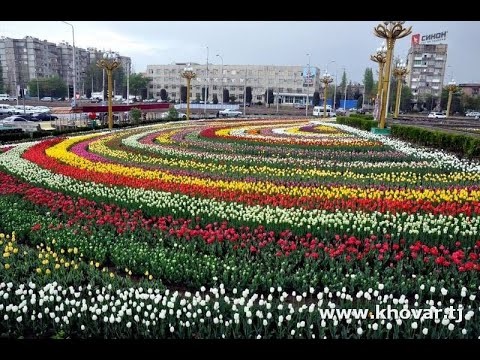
point(358, 121)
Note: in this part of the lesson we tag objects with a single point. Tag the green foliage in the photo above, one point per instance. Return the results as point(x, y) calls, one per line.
point(138, 82)
point(135, 114)
point(163, 94)
point(368, 82)
point(316, 98)
point(53, 86)
point(232, 98)
point(362, 122)
point(172, 114)
point(183, 93)
point(343, 84)
point(215, 99)
point(248, 94)
point(463, 145)
point(226, 95)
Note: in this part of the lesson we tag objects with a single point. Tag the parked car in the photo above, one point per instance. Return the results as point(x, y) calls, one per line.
point(299, 106)
point(18, 122)
point(437, 115)
point(474, 114)
point(7, 109)
point(46, 98)
point(43, 117)
point(230, 113)
point(181, 115)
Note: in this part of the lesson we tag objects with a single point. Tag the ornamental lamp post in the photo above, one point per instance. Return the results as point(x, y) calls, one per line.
point(451, 87)
point(390, 31)
point(325, 79)
point(109, 63)
point(379, 57)
point(188, 74)
point(400, 71)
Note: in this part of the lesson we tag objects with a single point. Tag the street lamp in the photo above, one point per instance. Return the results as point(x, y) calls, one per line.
point(308, 85)
point(380, 57)
point(221, 87)
point(451, 87)
point(188, 74)
point(325, 79)
point(109, 63)
point(390, 31)
point(345, 98)
point(400, 71)
point(74, 66)
point(335, 90)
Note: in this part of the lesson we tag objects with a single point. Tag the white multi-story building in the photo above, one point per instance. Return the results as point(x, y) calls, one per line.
point(25, 59)
point(287, 82)
point(426, 64)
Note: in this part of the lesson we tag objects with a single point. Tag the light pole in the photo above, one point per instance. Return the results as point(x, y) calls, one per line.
point(400, 71)
point(128, 82)
point(205, 93)
point(390, 31)
point(335, 90)
point(380, 57)
point(451, 87)
point(188, 74)
point(221, 70)
point(308, 85)
point(245, 94)
point(345, 98)
point(109, 63)
point(74, 66)
point(325, 79)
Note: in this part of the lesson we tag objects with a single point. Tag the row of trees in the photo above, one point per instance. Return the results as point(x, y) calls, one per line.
point(56, 86)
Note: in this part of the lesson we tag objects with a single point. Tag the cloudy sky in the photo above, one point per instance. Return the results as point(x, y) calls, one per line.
point(349, 43)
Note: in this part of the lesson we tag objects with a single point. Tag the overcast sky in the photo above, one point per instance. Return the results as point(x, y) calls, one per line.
point(349, 43)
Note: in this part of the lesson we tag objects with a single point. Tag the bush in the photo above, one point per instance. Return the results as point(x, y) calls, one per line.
point(357, 122)
point(463, 145)
point(136, 114)
point(172, 114)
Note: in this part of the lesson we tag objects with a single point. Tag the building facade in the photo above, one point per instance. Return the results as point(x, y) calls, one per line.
point(30, 58)
point(426, 64)
point(290, 84)
point(470, 89)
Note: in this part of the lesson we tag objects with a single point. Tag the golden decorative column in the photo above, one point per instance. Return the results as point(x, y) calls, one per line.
point(188, 74)
point(400, 71)
point(451, 87)
point(379, 57)
point(325, 79)
point(109, 63)
point(390, 31)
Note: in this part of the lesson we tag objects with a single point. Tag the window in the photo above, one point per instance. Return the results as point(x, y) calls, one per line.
point(232, 88)
point(259, 97)
point(214, 87)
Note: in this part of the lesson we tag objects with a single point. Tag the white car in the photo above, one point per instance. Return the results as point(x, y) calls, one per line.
point(230, 113)
point(181, 115)
point(17, 122)
point(437, 115)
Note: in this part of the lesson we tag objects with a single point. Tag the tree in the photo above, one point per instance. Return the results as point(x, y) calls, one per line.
point(232, 98)
point(172, 113)
point(248, 94)
point(135, 114)
point(138, 82)
point(94, 75)
point(183, 93)
point(215, 99)
point(457, 103)
point(269, 96)
point(226, 95)
point(316, 98)
point(163, 94)
point(368, 82)
point(343, 84)
point(53, 86)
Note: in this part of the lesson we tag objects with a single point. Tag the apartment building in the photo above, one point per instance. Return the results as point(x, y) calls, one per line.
point(25, 59)
point(426, 64)
point(289, 83)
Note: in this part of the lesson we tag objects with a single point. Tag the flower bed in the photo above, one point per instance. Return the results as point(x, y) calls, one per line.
point(276, 221)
